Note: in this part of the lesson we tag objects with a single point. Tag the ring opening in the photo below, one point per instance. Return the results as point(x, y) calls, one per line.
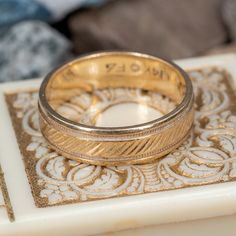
point(115, 90)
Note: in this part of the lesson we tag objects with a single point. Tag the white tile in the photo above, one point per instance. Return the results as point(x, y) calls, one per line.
point(111, 214)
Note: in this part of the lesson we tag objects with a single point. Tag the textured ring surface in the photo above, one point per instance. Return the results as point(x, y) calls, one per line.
point(88, 82)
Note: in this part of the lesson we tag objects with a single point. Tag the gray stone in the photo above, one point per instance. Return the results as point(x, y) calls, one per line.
point(227, 48)
point(171, 29)
point(229, 15)
point(31, 49)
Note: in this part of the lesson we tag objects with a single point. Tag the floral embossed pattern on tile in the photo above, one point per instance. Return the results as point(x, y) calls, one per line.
point(207, 156)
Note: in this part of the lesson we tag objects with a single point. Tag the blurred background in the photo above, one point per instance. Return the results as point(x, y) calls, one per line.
point(38, 35)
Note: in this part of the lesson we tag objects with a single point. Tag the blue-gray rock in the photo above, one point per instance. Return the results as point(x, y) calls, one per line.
point(14, 11)
point(60, 8)
point(31, 49)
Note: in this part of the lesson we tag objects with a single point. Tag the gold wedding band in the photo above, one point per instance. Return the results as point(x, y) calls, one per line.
point(72, 97)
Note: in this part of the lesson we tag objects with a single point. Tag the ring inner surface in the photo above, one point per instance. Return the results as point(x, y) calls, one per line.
point(115, 90)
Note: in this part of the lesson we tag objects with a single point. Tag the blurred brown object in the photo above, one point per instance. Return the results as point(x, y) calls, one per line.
point(229, 17)
point(228, 48)
point(171, 29)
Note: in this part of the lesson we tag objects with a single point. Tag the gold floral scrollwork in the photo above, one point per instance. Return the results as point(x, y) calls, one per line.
point(4, 197)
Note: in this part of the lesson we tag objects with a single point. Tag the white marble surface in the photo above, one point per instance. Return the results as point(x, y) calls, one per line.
point(118, 213)
point(219, 226)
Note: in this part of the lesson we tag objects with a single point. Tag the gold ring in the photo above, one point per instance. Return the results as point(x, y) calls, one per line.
point(78, 104)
